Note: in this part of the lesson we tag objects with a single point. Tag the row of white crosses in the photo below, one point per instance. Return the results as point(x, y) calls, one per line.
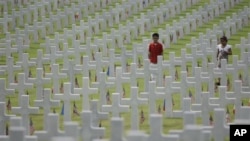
point(117, 104)
point(137, 50)
point(29, 29)
point(101, 22)
point(90, 132)
point(146, 22)
point(98, 83)
point(64, 59)
point(74, 29)
point(83, 35)
point(145, 42)
point(22, 34)
point(75, 45)
point(36, 34)
point(201, 48)
point(42, 8)
point(40, 73)
point(191, 22)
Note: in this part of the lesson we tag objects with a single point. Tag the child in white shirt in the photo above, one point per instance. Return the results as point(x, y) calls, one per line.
point(223, 51)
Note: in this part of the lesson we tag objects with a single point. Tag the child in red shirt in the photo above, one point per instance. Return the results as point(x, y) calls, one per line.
point(154, 50)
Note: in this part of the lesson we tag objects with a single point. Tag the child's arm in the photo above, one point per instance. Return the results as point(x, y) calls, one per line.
point(229, 51)
point(161, 50)
point(149, 51)
point(217, 53)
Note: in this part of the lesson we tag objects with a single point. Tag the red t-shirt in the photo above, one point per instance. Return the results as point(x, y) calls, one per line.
point(155, 49)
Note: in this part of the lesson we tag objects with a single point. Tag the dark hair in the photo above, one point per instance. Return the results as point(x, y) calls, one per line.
point(224, 38)
point(155, 35)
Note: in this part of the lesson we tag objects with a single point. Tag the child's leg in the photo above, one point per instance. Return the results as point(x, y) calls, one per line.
point(219, 64)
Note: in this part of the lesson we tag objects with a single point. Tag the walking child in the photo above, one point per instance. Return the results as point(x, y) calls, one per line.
point(223, 51)
point(155, 49)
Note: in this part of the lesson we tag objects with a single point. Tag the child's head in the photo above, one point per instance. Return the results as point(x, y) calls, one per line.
point(155, 37)
point(223, 40)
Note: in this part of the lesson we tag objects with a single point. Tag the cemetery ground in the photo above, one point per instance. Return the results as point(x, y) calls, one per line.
point(168, 123)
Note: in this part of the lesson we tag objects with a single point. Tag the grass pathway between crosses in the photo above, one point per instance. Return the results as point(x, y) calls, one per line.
point(168, 123)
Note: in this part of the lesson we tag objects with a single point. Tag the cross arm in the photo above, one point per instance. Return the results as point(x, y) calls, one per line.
point(32, 80)
point(196, 107)
point(175, 89)
point(191, 80)
point(106, 108)
point(46, 80)
point(110, 84)
point(54, 103)
point(83, 90)
point(191, 84)
point(17, 110)
point(16, 86)
point(7, 117)
point(142, 101)
point(39, 103)
point(140, 75)
point(126, 101)
point(125, 79)
point(6, 91)
point(159, 95)
point(34, 110)
point(214, 100)
point(213, 106)
point(245, 94)
point(102, 115)
point(61, 75)
point(16, 67)
point(31, 63)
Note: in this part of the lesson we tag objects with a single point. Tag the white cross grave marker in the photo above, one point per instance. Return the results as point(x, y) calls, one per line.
point(156, 130)
point(96, 115)
point(21, 86)
point(53, 125)
point(66, 98)
point(3, 118)
point(3, 90)
point(25, 110)
point(89, 132)
point(86, 91)
point(116, 108)
point(134, 101)
point(39, 81)
point(46, 103)
point(56, 75)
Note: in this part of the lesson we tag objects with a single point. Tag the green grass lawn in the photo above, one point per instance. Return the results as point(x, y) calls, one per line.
point(168, 123)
